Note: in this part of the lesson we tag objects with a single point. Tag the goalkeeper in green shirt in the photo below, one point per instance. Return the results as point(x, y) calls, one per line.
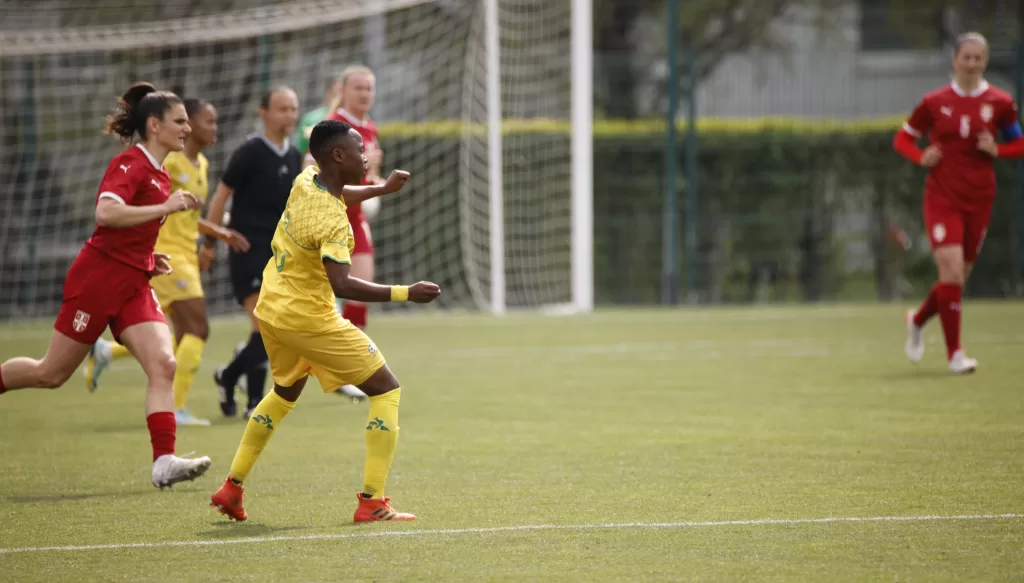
point(305, 128)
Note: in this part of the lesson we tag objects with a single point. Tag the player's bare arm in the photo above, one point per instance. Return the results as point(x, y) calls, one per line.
point(352, 288)
point(215, 216)
point(233, 238)
point(218, 203)
point(117, 215)
point(357, 194)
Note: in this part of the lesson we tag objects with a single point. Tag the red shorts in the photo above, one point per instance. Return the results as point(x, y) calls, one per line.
point(101, 292)
point(361, 233)
point(951, 224)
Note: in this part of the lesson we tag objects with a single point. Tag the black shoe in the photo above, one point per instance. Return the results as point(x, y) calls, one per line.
point(227, 395)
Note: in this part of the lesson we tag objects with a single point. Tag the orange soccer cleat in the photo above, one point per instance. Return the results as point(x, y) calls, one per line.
point(374, 509)
point(228, 500)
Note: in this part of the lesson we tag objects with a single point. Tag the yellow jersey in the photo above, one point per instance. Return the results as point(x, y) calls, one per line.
point(180, 232)
point(296, 294)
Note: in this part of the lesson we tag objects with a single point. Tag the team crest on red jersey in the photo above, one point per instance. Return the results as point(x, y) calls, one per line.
point(986, 112)
point(81, 321)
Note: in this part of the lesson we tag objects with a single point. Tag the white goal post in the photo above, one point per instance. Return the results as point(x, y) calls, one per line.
point(486, 102)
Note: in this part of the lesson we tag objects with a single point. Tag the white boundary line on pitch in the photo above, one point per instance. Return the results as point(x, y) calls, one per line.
point(521, 528)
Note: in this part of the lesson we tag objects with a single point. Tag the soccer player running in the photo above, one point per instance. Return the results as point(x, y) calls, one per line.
point(258, 179)
point(108, 283)
point(355, 98)
point(181, 294)
point(302, 329)
point(961, 121)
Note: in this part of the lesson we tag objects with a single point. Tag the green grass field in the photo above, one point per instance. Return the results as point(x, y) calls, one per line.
point(722, 444)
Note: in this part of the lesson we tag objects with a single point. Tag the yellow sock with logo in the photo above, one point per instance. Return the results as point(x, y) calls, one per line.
point(381, 440)
point(189, 355)
point(258, 431)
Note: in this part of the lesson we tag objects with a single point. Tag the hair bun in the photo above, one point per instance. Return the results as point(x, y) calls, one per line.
point(135, 93)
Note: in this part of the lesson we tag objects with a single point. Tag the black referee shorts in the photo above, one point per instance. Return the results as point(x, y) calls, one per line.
point(247, 270)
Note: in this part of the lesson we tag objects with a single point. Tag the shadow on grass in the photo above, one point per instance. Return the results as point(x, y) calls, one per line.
point(917, 375)
point(45, 499)
point(230, 529)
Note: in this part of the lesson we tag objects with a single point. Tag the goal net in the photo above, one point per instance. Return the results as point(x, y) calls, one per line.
point(63, 63)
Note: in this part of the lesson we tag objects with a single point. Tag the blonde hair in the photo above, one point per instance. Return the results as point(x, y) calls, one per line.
point(967, 38)
point(343, 79)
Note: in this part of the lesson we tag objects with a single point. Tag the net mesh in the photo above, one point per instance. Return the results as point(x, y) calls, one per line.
point(63, 65)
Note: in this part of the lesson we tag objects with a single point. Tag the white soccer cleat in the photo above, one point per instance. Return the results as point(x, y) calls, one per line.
point(915, 339)
point(184, 417)
point(100, 356)
point(352, 392)
point(170, 469)
point(962, 364)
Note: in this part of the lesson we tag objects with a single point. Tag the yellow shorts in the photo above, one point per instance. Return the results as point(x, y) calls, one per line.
point(182, 284)
point(340, 355)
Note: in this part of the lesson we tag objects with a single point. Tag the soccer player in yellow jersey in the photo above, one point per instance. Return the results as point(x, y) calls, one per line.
point(181, 293)
point(302, 330)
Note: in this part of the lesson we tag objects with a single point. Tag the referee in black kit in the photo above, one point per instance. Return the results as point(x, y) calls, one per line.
point(259, 177)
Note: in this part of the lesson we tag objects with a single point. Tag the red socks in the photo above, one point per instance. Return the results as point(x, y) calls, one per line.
point(162, 428)
point(355, 313)
point(948, 297)
point(3, 388)
point(928, 308)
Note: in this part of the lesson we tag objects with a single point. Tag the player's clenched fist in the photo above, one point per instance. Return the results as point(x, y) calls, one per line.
point(182, 201)
point(396, 181)
point(162, 264)
point(931, 156)
point(987, 143)
point(424, 292)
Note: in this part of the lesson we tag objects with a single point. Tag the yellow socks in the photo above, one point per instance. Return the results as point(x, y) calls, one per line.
point(118, 351)
point(381, 439)
point(188, 355)
point(258, 431)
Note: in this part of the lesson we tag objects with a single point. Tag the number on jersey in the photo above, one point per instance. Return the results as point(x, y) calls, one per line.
point(279, 257)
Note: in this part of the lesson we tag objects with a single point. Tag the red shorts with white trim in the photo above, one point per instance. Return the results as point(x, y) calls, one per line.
point(361, 233)
point(951, 224)
point(101, 292)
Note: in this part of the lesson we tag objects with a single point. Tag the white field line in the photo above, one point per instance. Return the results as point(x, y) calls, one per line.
point(497, 529)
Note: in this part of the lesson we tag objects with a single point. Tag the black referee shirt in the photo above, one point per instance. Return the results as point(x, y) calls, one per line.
point(261, 175)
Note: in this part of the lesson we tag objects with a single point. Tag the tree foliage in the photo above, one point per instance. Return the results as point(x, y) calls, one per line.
point(712, 29)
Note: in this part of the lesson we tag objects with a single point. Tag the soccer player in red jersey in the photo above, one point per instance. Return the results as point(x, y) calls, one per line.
point(358, 89)
point(961, 121)
point(108, 283)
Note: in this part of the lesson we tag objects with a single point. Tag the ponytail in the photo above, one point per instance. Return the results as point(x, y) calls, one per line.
point(139, 103)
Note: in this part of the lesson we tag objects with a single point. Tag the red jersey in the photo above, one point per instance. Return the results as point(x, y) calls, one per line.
point(135, 178)
point(368, 131)
point(953, 118)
